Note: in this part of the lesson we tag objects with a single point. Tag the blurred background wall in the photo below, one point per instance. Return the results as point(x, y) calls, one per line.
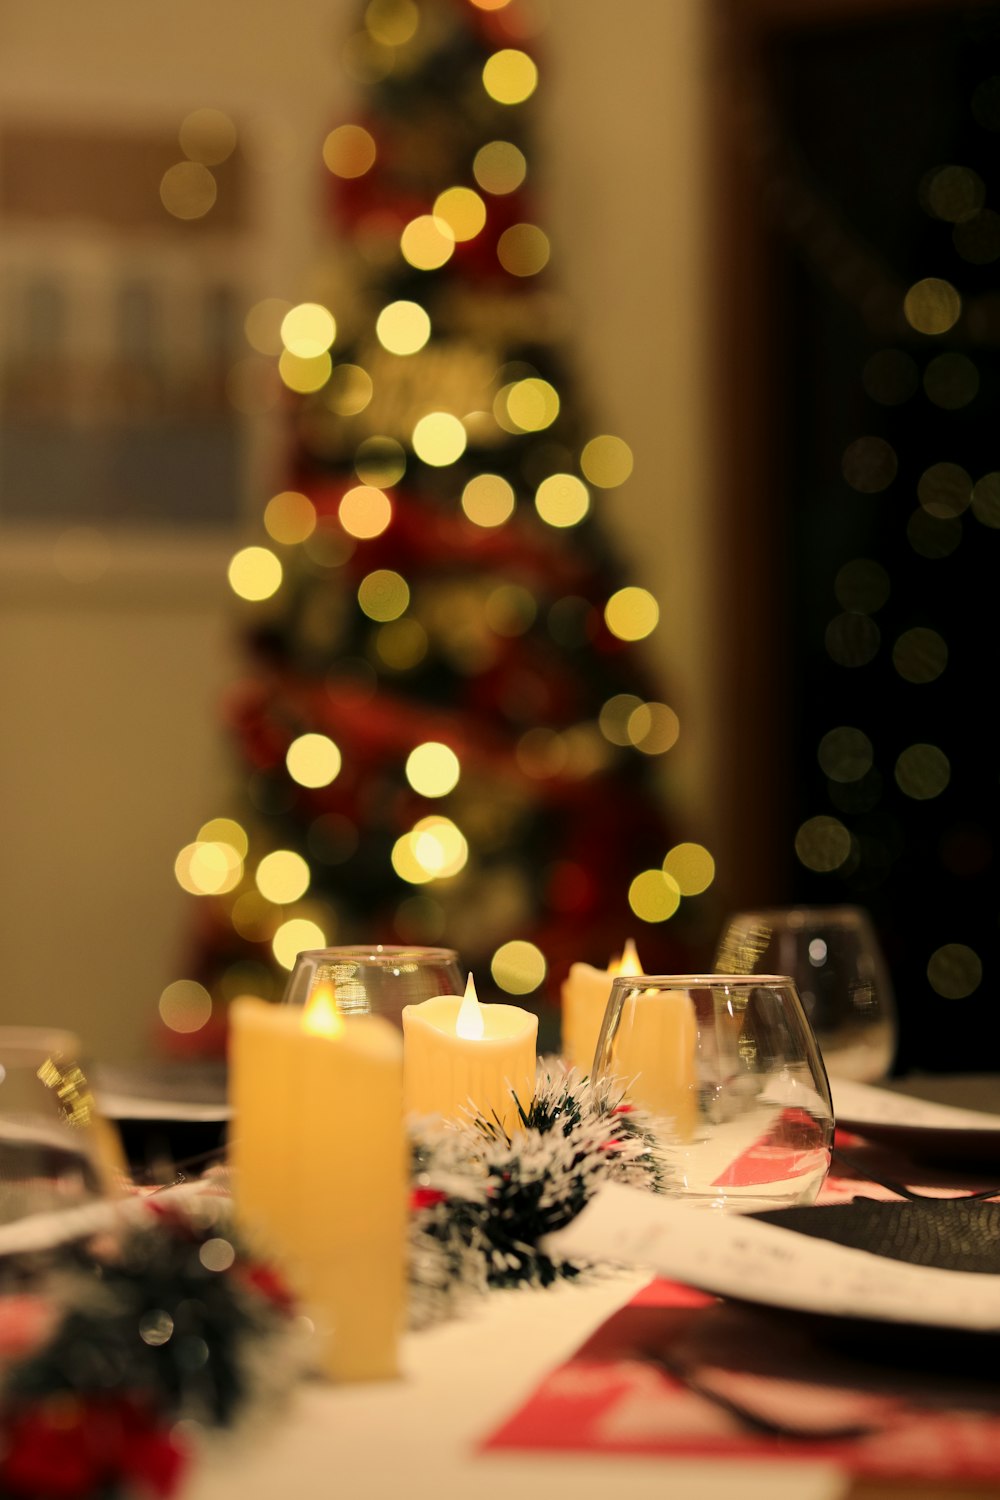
point(118, 637)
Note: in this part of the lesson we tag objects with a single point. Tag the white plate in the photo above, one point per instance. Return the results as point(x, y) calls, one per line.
point(940, 1132)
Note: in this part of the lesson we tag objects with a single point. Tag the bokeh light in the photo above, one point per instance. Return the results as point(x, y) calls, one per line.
point(653, 728)
point(532, 404)
point(944, 490)
point(401, 644)
point(262, 325)
point(606, 461)
point(433, 769)
point(954, 971)
point(207, 136)
point(427, 242)
point(185, 1006)
point(691, 867)
point(380, 461)
point(349, 151)
point(403, 327)
point(282, 876)
point(518, 967)
point(462, 210)
point(632, 613)
point(439, 439)
point(852, 639)
point(208, 867)
point(297, 935)
point(499, 167)
point(188, 190)
point(920, 654)
point(922, 772)
point(255, 573)
point(308, 330)
point(932, 306)
point(823, 844)
point(510, 76)
point(313, 760)
point(654, 896)
point(523, 250)
point(225, 831)
point(845, 754)
point(349, 390)
point(869, 465)
point(290, 517)
point(986, 500)
point(304, 375)
point(933, 536)
point(562, 500)
point(383, 594)
point(364, 511)
point(488, 500)
point(862, 585)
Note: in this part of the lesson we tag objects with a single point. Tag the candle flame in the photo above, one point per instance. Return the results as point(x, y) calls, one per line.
point(469, 1022)
point(321, 1016)
point(629, 961)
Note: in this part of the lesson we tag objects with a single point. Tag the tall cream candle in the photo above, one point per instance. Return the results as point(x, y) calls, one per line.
point(585, 993)
point(459, 1056)
point(654, 1051)
point(320, 1169)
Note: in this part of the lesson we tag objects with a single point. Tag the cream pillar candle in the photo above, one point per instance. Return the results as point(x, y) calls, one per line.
point(459, 1055)
point(654, 1051)
point(320, 1169)
point(585, 993)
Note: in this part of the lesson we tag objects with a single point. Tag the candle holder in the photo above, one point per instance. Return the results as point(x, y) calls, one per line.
point(378, 980)
point(729, 1070)
point(56, 1150)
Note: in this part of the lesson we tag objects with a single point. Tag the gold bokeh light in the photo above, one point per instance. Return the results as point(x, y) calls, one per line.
point(225, 831)
point(364, 511)
point(304, 375)
point(349, 151)
point(403, 327)
point(606, 461)
point(932, 305)
point(632, 613)
point(691, 866)
point(349, 390)
point(523, 250)
point(499, 167)
point(380, 461)
point(562, 500)
point(290, 517)
point(313, 760)
point(255, 573)
point(308, 330)
point(185, 1006)
point(262, 325)
point(954, 971)
point(282, 876)
point(188, 190)
point(488, 500)
point(433, 769)
point(384, 595)
point(427, 242)
point(207, 136)
point(922, 772)
point(510, 76)
point(462, 210)
point(653, 728)
point(294, 937)
point(823, 844)
point(392, 23)
point(439, 439)
point(518, 967)
point(532, 404)
point(401, 644)
point(654, 896)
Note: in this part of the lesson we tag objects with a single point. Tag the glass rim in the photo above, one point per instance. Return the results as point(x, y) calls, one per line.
point(53, 1040)
point(379, 952)
point(700, 981)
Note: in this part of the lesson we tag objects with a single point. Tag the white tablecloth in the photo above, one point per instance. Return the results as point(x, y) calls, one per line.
point(415, 1438)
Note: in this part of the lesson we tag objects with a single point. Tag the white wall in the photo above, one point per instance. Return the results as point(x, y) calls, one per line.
point(112, 752)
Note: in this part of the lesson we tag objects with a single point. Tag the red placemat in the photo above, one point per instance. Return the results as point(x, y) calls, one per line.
point(618, 1395)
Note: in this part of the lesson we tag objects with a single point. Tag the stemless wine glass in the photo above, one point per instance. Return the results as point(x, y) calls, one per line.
point(377, 980)
point(834, 957)
point(729, 1071)
point(56, 1150)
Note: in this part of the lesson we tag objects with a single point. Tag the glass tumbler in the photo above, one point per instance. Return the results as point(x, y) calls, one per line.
point(374, 981)
point(834, 957)
point(728, 1069)
point(56, 1150)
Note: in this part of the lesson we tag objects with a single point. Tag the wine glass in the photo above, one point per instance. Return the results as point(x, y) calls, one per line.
point(728, 1070)
point(56, 1150)
point(374, 981)
point(834, 957)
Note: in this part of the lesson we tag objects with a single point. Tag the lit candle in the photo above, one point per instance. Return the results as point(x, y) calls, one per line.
point(320, 1168)
point(460, 1056)
point(585, 993)
point(654, 1051)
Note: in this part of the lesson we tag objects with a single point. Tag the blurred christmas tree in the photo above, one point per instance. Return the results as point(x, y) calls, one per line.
point(449, 733)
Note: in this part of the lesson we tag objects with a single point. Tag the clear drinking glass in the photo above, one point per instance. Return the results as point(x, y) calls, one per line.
point(729, 1070)
point(375, 981)
point(56, 1150)
point(834, 957)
